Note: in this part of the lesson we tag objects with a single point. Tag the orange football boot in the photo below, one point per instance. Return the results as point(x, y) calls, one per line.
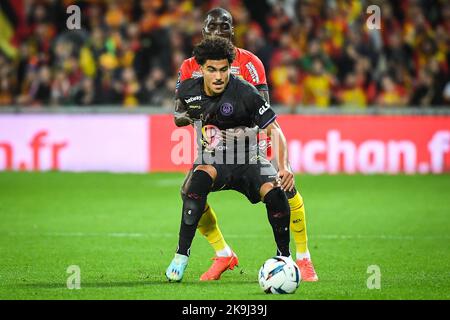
point(219, 266)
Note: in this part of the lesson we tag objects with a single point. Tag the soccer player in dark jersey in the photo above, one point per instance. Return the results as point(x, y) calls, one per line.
point(249, 67)
point(229, 112)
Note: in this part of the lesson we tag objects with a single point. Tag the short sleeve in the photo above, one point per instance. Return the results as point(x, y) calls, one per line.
point(181, 92)
point(184, 73)
point(180, 104)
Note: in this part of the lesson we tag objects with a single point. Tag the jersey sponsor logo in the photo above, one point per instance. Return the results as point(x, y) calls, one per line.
point(191, 99)
point(264, 108)
point(226, 109)
point(178, 81)
point(194, 107)
point(253, 73)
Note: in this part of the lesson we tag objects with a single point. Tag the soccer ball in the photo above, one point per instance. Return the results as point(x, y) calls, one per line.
point(279, 275)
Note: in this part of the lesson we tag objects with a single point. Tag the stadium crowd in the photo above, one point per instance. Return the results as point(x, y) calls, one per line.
point(316, 53)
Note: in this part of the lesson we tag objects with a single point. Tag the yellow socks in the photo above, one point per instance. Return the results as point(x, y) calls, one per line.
point(208, 227)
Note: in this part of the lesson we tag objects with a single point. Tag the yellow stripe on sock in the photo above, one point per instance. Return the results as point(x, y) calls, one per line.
point(209, 228)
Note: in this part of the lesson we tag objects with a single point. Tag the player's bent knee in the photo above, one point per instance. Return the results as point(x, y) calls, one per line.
point(192, 211)
point(291, 194)
point(209, 215)
point(277, 203)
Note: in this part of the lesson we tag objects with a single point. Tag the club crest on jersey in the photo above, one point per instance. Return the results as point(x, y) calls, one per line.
point(226, 109)
point(264, 108)
point(191, 99)
point(196, 74)
point(253, 73)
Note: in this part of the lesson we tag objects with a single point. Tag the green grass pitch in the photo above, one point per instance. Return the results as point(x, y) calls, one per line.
point(122, 230)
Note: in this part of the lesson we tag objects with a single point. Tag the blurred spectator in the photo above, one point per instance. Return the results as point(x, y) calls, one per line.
point(278, 22)
point(317, 86)
point(38, 92)
point(440, 79)
point(424, 90)
point(85, 95)
point(6, 97)
point(391, 94)
point(6, 81)
point(129, 88)
point(106, 81)
point(446, 93)
point(315, 52)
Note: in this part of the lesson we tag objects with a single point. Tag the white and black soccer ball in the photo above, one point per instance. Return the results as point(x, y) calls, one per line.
point(279, 275)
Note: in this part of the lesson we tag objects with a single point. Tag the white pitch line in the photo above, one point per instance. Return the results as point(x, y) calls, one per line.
point(168, 182)
point(241, 236)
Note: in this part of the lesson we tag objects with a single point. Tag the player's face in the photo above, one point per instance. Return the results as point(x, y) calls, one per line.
point(218, 25)
point(216, 74)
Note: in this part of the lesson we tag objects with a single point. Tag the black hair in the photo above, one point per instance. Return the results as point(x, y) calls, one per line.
point(214, 48)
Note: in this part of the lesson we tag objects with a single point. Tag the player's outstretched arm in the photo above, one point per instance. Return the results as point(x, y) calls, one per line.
point(181, 116)
point(279, 145)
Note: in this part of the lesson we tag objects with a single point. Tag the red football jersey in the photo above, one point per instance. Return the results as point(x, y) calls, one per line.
point(246, 65)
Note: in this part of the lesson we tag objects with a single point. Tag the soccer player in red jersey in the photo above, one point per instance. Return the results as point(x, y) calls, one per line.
point(219, 23)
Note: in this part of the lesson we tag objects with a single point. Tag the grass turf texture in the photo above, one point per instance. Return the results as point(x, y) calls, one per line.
point(122, 229)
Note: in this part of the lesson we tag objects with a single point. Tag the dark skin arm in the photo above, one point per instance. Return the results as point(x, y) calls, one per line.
point(280, 148)
point(181, 118)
